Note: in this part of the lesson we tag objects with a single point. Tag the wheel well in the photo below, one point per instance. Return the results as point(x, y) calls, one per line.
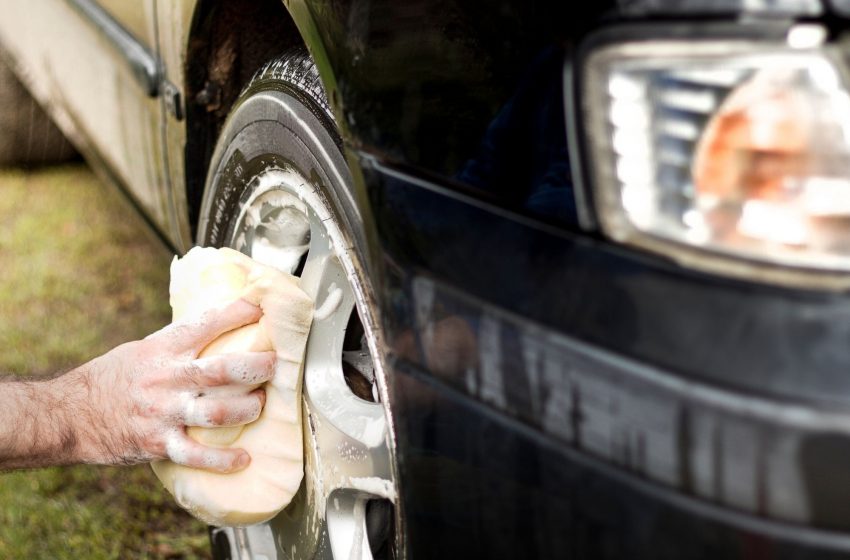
point(228, 42)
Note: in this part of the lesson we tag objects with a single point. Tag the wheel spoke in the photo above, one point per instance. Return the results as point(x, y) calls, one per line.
point(346, 420)
point(320, 257)
point(347, 525)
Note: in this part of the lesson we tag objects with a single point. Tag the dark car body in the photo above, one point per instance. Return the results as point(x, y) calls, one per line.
point(554, 393)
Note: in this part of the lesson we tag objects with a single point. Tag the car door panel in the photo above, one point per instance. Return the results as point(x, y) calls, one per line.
point(101, 71)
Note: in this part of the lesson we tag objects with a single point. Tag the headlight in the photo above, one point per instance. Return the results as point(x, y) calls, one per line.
point(722, 150)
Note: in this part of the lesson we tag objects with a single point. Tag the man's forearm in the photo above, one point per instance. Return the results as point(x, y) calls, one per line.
point(43, 423)
point(134, 403)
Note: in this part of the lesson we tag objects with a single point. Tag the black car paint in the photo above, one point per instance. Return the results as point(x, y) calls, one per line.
point(517, 354)
point(447, 108)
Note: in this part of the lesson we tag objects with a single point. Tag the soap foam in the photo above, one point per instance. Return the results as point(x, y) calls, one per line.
point(331, 303)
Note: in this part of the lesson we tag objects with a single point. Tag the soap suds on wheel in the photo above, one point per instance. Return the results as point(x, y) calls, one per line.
point(331, 303)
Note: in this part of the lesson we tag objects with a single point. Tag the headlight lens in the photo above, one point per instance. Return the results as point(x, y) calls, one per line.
point(726, 148)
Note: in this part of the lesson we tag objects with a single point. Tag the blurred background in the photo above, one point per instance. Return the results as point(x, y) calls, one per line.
point(80, 275)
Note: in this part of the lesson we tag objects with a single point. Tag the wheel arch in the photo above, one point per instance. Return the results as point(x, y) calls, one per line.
point(227, 42)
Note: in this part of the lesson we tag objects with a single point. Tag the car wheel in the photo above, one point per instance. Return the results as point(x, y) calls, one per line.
point(27, 135)
point(279, 190)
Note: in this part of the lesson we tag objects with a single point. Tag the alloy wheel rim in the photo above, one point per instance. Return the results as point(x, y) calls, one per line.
point(285, 223)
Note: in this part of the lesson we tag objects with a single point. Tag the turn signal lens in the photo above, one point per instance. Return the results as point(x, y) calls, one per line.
point(730, 149)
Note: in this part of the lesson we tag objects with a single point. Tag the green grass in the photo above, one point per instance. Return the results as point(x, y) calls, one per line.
point(78, 276)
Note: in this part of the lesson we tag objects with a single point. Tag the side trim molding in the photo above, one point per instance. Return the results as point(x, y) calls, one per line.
point(142, 61)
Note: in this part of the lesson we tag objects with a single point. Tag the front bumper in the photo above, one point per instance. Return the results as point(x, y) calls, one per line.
point(555, 394)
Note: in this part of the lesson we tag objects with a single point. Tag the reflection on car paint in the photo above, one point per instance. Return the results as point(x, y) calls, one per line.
point(523, 159)
point(698, 439)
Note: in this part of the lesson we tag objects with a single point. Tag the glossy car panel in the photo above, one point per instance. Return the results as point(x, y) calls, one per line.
point(512, 343)
point(783, 343)
point(471, 96)
point(480, 486)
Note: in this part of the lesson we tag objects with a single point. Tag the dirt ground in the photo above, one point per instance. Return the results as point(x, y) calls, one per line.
point(78, 276)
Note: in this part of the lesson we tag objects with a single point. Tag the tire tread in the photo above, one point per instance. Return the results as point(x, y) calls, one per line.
point(296, 68)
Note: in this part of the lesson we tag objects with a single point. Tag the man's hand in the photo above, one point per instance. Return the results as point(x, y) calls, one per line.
point(133, 404)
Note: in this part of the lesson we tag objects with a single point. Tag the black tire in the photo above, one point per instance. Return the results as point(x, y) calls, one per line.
point(258, 142)
point(27, 135)
point(282, 121)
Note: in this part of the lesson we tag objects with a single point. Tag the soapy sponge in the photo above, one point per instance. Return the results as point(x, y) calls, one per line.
point(207, 277)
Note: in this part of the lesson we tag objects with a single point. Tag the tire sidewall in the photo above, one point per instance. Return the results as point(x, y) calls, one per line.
point(272, 127)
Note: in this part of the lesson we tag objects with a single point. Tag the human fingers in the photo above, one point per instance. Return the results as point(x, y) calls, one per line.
point(241, 368)
point(195, 333)
point(183, 450)
point(214, 412)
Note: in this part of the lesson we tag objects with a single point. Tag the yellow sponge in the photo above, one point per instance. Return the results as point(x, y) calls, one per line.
point(207, 277)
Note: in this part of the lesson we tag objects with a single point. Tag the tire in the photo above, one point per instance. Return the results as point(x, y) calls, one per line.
point(279, 189)
point(27, 135)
